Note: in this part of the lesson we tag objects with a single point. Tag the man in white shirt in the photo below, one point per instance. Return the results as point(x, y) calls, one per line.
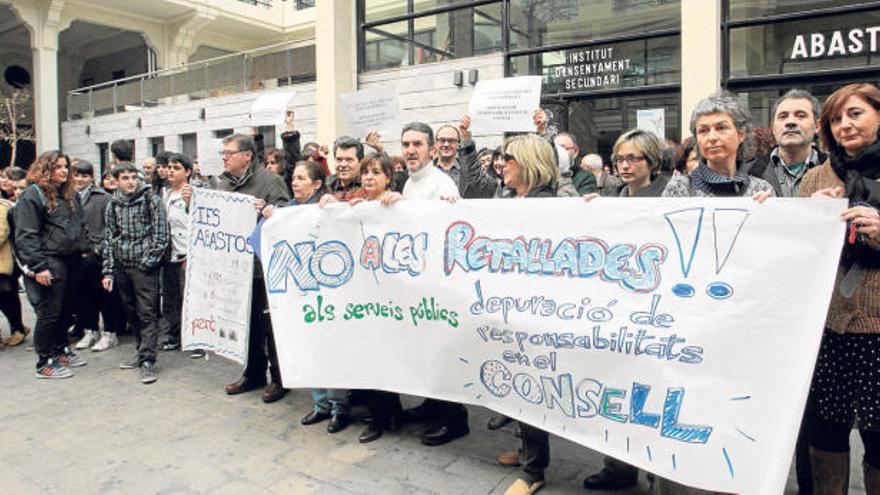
point(448, 420)
point(425, 181)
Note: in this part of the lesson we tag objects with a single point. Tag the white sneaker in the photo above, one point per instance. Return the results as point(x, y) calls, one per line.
point(108, 341)
point(87, 341)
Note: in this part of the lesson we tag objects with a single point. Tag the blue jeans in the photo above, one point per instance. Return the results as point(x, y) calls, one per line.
point(331, 400)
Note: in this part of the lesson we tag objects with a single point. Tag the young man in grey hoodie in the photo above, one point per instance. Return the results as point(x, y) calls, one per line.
point(135, 242)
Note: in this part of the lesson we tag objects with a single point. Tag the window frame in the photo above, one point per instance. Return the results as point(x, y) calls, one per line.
point(410, 18)
point(753, 83)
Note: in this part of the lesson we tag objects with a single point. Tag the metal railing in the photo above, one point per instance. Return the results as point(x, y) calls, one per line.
point(262, 3)
point(280, 64)
point(297, 4)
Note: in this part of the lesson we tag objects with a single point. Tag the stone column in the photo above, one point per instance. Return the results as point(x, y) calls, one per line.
point(43, 22)
point(336, 63)
point(700, 54)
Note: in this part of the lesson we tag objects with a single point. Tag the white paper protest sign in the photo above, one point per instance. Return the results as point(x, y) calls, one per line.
point(219, 269)
point(659, 331)
point(374, 109)
point(505, 105)
point(652, 120)
point(271, 108)
point(210, 161)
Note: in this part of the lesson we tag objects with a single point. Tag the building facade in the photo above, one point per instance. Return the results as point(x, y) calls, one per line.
point(607, 65)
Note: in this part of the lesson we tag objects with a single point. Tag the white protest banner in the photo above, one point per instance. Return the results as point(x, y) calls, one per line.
point(505, 105)
point(678, 335)
point(219, 268)
point(210, 161)
point(652, 120)
point(271, 108)
point(375, 109)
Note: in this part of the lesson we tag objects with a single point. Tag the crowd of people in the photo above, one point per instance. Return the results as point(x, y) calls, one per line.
point(115, 246)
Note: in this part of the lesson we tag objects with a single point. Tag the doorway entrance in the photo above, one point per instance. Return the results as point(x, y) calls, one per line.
point(597, 121)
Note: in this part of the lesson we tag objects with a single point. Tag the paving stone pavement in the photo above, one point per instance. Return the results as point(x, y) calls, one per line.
point(103, 431)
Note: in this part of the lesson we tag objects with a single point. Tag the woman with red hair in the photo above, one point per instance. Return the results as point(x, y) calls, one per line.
point(846, 383)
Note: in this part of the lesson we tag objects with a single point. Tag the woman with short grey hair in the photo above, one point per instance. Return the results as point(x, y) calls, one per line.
point(721, 126)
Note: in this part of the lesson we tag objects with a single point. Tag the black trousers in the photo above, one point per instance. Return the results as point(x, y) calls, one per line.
point(140, 296)
point(803, 468)
point(90, 299)
point(450, 414)
point(383, 406)
point(834, 437)
point(535, 453)
point(621, 470)
point(261, 344)
point(173, 279)
point(10, 304)
point(50, 335)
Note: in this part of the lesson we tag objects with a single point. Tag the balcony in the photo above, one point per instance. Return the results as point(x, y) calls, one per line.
point(261, 3)
point(297, 4)
point(253, 70)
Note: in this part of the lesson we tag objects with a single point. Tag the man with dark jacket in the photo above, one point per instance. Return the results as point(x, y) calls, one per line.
point(446, 150)
point(347, 153)
point(589, 172)
point(795, 124)
point(475, 181)
point(89, 298)
point(243, 175)
point(135, 239)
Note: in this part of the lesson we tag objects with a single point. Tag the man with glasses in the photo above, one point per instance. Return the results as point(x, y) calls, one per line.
point(241, 174)
point(446, 144)
point(456, 155)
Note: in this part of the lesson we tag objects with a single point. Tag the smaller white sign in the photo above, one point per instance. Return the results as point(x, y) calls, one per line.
point(505, 105)
point(210, 161)
point(374, 109)
point(270, 109)
point(219, 270)
point(652, 120)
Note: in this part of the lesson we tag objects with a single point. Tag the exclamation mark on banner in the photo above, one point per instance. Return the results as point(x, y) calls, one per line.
point(727, 223)
point(686, 226)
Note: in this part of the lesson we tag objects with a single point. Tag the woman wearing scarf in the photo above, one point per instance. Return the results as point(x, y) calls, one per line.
point(846, 383)
point(720, 126)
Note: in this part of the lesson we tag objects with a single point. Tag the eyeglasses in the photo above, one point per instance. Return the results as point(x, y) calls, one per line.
point(508, 157)
point(229, 153)
point(631, 159)
point(447, 140)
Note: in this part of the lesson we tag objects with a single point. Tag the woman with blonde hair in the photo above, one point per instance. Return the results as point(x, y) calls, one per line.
point(530, 169)
point(637, 156)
